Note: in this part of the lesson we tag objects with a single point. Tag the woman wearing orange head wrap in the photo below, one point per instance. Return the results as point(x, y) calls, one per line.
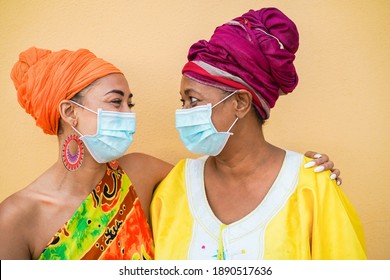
point(87, 205)
point(93, 202)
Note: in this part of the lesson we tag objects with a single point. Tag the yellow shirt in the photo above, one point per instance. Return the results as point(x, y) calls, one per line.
point(305, 215)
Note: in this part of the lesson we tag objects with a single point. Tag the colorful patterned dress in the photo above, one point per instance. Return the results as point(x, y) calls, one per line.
point(109, 224)
point(305, 215)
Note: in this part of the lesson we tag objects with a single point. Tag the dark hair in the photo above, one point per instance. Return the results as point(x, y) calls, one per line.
point(259, 117)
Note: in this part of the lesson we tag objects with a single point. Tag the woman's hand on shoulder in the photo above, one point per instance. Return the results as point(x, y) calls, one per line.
point(321, 162)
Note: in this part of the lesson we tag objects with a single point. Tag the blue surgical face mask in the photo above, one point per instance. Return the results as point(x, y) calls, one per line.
point(113, 136)
point(197, 131)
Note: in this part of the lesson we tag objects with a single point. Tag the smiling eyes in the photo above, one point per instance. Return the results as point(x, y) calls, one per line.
point(117, 103)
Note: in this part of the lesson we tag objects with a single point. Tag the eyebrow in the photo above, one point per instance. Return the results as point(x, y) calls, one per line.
point(118, 92)
point(189, 90)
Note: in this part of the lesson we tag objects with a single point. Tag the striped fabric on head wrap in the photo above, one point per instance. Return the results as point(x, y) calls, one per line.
point(255, 52)
point(44, 78)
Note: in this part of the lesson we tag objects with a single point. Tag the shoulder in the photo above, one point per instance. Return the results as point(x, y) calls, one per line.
point(320, 193)
point(183, 166)
point(318, 183)
point(145, 167)
point(17, 216)
point(309, 174)
point(179, 168)
point(16, 206)
point(306, 179)
point(145, 173)
point(175, 181)
point(147, 163)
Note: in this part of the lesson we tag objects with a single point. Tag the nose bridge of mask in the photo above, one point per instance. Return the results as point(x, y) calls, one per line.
point(110, 120)
point(199, 115)
point(199, 118)
point(195, 122)
point(119, 121)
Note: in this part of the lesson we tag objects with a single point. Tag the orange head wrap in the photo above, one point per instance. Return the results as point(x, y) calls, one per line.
point(44, 78)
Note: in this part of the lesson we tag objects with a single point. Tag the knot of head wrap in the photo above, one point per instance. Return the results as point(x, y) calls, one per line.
point(44, 78)
point(255, 52)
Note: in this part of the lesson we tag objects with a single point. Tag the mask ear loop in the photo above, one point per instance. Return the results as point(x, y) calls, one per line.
point(219, 102)
point(74, 102)
point(226, 97)
point(76, 130)
point(231, 133)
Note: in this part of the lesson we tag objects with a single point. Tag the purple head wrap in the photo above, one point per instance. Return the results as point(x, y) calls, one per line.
point(255, 51)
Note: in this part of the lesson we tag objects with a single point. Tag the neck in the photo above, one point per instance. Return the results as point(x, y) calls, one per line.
point(249, 155)
point(83, 180)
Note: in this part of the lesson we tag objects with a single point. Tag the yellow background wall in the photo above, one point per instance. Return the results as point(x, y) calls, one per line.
point(340, 107)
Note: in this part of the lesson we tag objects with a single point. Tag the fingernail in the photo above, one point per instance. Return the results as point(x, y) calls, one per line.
point(317, 156)
point(319, 168)
point(333, 176)
point(309, 164)
point(338, 182)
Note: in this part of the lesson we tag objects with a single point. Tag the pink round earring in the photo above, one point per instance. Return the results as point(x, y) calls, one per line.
point(72, 160)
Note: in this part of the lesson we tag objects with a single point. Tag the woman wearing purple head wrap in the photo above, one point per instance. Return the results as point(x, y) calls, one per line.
point(246, 198)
